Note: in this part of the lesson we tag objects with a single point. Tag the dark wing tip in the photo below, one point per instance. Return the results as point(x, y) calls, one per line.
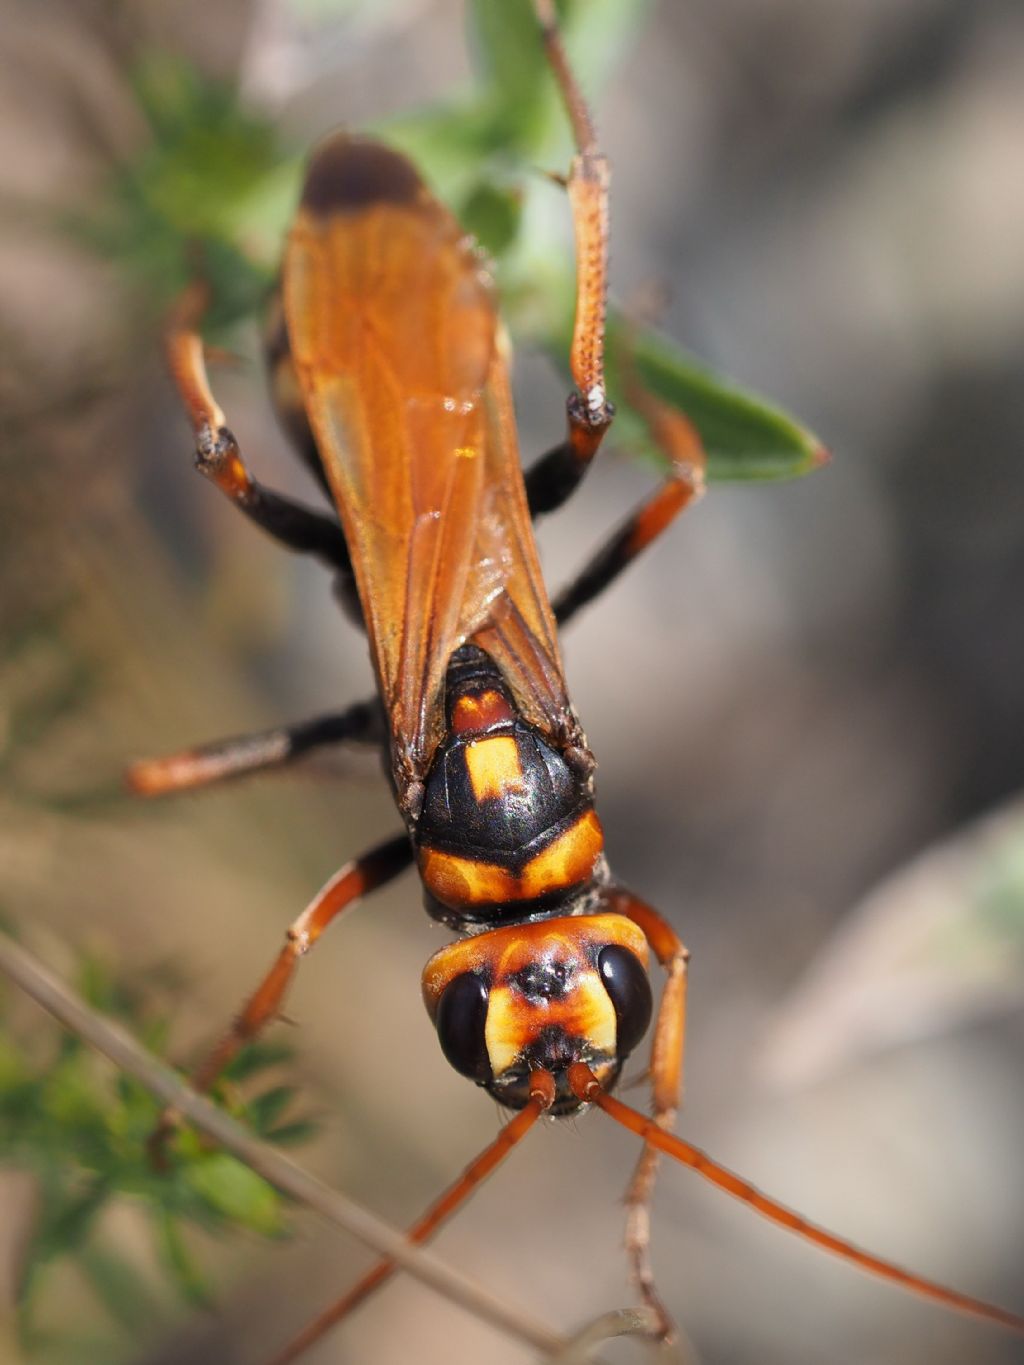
point(347, 174)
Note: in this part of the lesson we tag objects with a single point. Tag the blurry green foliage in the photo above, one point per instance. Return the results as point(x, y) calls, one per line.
point(79, 1128)
point(212, 189)
point(186, 202)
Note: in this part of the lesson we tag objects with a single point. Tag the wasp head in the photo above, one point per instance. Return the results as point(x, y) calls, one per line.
point(541, 997)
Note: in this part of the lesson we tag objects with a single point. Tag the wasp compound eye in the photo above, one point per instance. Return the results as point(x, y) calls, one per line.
point(461, 1017)
point(626, 982)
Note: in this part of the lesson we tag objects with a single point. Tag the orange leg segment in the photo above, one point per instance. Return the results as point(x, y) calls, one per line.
point(344, 890)
point(667, 1087)
point(219, 458)
point(590, 413)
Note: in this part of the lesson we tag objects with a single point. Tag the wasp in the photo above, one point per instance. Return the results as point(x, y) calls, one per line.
point(390, 370)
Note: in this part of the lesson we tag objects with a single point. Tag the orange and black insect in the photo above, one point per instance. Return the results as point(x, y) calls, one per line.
point(389, 367)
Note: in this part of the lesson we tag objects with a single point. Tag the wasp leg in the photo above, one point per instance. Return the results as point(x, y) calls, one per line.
point(676, 435)
point(286, 392)
point(666, 1087)
point(218, 457)
point(344, 890)
point(242, 754)
point(553, 478)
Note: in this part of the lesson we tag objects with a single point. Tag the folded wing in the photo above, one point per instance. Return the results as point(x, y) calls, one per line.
point(395, 339)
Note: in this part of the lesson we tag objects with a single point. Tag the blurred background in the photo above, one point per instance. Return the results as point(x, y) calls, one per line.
point(807, 703)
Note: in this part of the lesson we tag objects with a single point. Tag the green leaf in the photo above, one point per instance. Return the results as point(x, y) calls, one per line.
point(120, 1287)
point(291, 1134)
point(745, 436)
point(205, 183)
point(72, 1099)
point(207, 154)
point(236, 1193)
point(256, 1057)
point(61, 1228)
point(190, 1280)
point(527, 115)
point(509, 58)
point(493, 215)
point(264, 1110)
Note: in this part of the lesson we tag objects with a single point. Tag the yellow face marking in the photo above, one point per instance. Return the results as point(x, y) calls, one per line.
point(513, 1022)
point(494, 766)
point(567, 861)
point(503, 1031)
point(593, 1014)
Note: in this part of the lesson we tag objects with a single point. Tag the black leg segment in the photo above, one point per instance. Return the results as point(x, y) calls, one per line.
point(362, 723)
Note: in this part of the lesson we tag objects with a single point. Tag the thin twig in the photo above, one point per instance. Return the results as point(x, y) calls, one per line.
point(618, 1322)
point(290, 1179)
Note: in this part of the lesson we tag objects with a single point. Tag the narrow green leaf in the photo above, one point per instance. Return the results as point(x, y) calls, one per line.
point(291, 1134)
point(745, 437)
point(236, 1193)
point(264, 1110)
point(527, 112)
point(62, 1228)
point(257, 1057)
point(119, 1286)
point(509, 58)
point(182, 1265)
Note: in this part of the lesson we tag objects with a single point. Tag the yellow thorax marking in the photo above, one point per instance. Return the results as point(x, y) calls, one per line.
point(494, 766)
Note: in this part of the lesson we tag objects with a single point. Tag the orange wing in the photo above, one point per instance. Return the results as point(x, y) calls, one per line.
point(395, 338)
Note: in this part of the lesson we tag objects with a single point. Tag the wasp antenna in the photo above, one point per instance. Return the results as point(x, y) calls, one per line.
point(542, 1096)
point(586, 1087)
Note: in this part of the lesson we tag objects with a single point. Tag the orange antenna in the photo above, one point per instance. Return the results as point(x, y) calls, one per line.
point(542, 1096)
point(585, 1086)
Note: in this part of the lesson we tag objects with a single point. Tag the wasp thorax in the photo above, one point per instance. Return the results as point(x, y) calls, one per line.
point(541, 996)
point(505, 818)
